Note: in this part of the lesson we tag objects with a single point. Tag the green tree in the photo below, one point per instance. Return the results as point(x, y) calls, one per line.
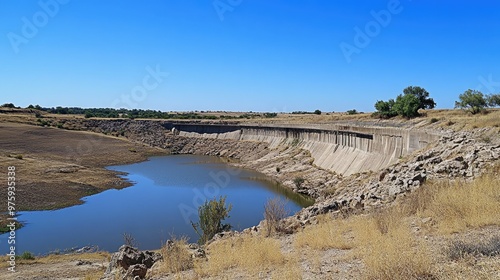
point(472, 100)
point(8, 105)
point(317, 112)
point(211, 215)
point(493, 100)
point(425, 102)
point(407, 105)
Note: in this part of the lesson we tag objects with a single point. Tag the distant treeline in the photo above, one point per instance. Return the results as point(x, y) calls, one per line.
point(139, 113)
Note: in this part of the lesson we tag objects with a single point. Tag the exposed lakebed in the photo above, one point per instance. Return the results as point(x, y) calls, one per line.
point(163, 201)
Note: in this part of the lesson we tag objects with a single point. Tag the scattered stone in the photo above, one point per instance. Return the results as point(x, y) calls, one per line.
point(80, 262)
point(137, 270)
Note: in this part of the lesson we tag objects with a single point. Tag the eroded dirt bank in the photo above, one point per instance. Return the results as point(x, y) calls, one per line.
point(55, 168)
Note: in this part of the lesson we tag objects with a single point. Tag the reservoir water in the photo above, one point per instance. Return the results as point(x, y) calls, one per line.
point(163, 201)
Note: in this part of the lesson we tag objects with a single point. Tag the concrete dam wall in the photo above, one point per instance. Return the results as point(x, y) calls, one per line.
point(342, 149)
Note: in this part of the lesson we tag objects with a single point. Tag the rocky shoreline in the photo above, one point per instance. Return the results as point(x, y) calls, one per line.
point(456, 155)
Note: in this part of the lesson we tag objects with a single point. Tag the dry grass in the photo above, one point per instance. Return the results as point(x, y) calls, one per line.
point(274, 213)
point(460, 119)
point(247, 253)
point(461, 205)
point(95, 275)
point(395, 254)
point(50, 259)
point(383, 241)
point(290, 270)
point(176, 256)
point(327, 234)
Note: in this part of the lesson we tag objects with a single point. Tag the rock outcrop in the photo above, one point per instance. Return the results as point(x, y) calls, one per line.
point(131, 262)
point(455, 156)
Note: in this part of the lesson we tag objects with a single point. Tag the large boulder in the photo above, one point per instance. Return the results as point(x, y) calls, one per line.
point(133, 261)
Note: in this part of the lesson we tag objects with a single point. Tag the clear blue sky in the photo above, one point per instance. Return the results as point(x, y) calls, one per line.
point(244, 55)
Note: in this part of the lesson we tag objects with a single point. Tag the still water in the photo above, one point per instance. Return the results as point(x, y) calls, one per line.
point(163, 201)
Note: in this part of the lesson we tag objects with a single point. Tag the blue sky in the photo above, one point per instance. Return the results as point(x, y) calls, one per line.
point(243, 55)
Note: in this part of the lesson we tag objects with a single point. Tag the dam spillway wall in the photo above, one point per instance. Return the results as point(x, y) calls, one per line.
point(342, 149)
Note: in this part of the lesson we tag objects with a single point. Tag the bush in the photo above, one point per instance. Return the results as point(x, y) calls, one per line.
point(27, 256)
point(211, 214)
point(16, 156)
point(434, 120)
point(298, 181)
point(352, 112)
point(270, 115)
point(274, 212)
point(317, 112)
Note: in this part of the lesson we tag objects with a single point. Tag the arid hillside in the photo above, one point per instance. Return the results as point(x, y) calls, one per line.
point(430, 215)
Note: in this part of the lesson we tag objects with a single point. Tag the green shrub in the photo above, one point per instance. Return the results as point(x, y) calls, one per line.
point(27, 256)
point(211, 215)
point(298, 181)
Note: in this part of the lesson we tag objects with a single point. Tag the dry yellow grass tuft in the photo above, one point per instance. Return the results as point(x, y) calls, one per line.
point(176, 256)
point(328, 233)
point(247, 253)
point(392, 254)
point(459, 205)
point(289, 270)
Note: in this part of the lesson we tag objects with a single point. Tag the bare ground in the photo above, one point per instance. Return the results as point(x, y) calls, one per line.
point(55, 168)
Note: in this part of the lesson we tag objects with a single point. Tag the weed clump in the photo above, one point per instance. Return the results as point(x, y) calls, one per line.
point(274, 213)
